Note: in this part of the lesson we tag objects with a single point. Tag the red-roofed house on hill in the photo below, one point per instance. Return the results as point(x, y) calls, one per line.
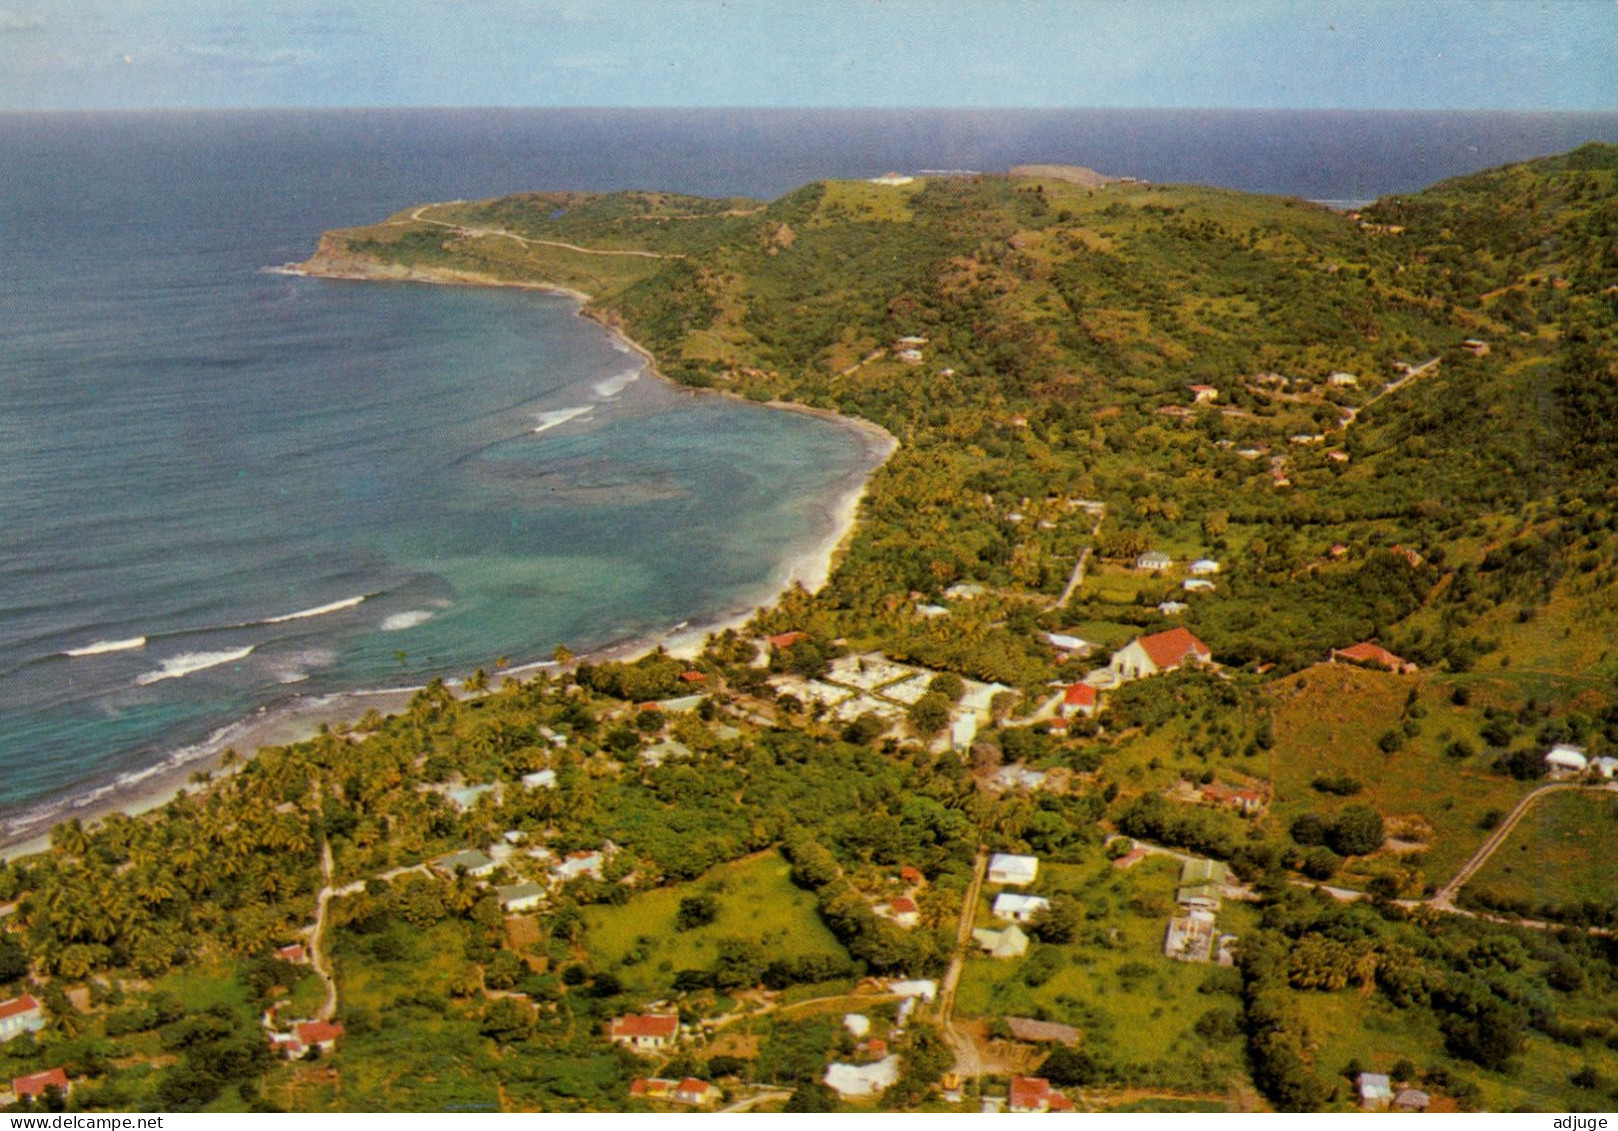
point(320, 1035)
point(1373, 654)
point(34, 1086)
point(1243, 799)
point(1035, 1094)
point(787, 639)
point(20, 1015)
point(911, 875)
point(294, 953)
point(1078, 699)
point(645, 1031)
point(1160, 652)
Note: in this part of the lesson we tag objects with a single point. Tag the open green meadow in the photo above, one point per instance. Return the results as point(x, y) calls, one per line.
point(757, 902)
point(1560, 853)
point(1329, 720)
point(1134, 1006)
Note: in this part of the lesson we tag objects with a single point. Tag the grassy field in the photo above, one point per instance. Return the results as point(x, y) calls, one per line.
point(1328, 720)
point(1348, 1026)
point(1558, 853)
point(757, 900)
point(1114, 984)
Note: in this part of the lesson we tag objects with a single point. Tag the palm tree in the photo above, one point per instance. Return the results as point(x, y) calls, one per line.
point(70, 838)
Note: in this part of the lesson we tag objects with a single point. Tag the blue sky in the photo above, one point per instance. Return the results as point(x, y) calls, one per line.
point(1353, 54)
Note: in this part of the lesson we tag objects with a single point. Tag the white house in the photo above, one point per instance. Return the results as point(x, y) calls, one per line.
point(1197, 585)
point(1376, 1090)
point(1153, 559)
point(520, 897)
point(20, 1015)
point(1009, 943)
point(1203, 567)
point(540, 779)
point(1563, 760)
point(467, 796)
point(578, 864)
point(1172, 608)
point(1067, 643)
point(645, 1031)
point(924, 988)
point(468, 860)
point(1605, 765)
point(1342, 379)
point(863, 1079)
point(892, 179)
point(1005, 868)
point(1018, 908)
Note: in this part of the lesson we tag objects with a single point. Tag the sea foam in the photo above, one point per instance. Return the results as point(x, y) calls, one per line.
point(176, 667)
point(612, 386)
point(317, 611)
point(549, 420)
point(400, 621)
point(102, 647)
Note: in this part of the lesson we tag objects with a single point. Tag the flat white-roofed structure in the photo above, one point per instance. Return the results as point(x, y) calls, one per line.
point(1006, 868)
point(1018, 908)
point(1565, 759)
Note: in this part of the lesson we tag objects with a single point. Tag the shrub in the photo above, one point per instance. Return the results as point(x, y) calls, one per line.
point(1356, 831)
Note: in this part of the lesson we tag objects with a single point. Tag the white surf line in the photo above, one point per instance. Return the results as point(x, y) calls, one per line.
point(317, 611)
point(102, 647)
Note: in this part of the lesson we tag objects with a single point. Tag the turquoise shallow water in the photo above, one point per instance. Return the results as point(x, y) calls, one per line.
point(290, 487)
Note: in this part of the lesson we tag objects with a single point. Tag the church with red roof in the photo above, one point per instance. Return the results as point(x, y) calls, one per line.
point(1158, 653)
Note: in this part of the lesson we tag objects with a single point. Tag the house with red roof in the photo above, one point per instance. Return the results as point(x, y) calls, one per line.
point(1203, 394)
point(34, 1086)
point(694, 676)
point(1244, 799)
point(787, 639)
point(294, 953)
point(645, 1032)
point(20, 1015)
point(911, 875)
point(1035, 1094)
point(1158, 653)
point(903, 911)
point(1078, 699)
point(1372, 655)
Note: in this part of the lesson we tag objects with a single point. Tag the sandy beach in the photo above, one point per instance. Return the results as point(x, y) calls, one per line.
point(299, 718)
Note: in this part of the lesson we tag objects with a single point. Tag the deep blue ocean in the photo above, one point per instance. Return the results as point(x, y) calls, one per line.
point(295, 487)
